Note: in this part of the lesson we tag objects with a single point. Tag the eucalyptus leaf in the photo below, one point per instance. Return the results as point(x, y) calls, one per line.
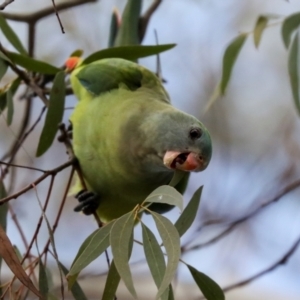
point(31, 64)
point(8, 254)
point(18, 252)
point(54, 115)
point(91, 248)
point(229, 58)
point(260, 26)
point(112, 282)
point(77, 53)
point(171, 242)
point(128, 33)
point(289, 25)
point(187, 217)
point(2, 101)
point(177, 177)
point(120, 235)
point(3, 67)
point(43, 281)
point(128, 52)
point(76, 290)
point(9, 99)
point(3, 207)
point(11, 36)
point(171, 293)
point(210, 289)
point(3, 217)
point(155, 258)
point(114, 27)
point(4, 57)
point(166, 194)
point(293, 68)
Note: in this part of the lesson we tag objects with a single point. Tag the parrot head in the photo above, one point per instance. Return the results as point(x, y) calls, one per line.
point(181, 141)
point(192, 152)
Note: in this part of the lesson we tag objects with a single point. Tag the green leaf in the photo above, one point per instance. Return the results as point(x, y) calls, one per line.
point(3, 207)
point(260, 26)
point(177, 177)
point(10, 107)
point(18, 253)
point(2, 101)
point(128, 52)
point(171, 242)
point(128, 33)
point(289, 25)
point(187, 217)
point(166, 194)
point(4, 57)
point(91, 248)
point(229, 58)
point(293, 67)
point(120, 235)
point(43, 282)
point(9, 99)
point(3, 67)
point(3, 217)
point(112, 282)
point(114, 27)
point(171, 293)
point(54, 115)
point(76, 53)
point(11, 36)
point(155, 258)
point(208, 287)
point(31, 64)
point(76, 290)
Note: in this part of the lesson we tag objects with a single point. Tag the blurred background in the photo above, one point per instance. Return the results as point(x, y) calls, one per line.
point(255, 132)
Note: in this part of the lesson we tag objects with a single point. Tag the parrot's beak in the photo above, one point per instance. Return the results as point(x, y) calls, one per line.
point(184, 161)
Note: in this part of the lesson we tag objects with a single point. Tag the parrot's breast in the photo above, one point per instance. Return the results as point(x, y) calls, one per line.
point(112, 154)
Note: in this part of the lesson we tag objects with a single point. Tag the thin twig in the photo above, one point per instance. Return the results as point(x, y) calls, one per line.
point(58, 18)
point(19, 166)
point(36, 16)
point(144, 20)
point(34, 237)
point(283, 260)
point(5, 3)
point(37, 181)
point(232, 225)
point(60, 208)
point(28, 80)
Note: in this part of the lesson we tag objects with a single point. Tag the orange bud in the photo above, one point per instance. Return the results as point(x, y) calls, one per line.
point(71, 63)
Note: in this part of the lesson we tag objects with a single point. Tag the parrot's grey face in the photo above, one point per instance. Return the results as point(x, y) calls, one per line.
point(191, 150)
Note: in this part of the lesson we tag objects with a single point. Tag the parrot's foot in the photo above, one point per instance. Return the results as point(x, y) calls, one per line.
point(88, 202)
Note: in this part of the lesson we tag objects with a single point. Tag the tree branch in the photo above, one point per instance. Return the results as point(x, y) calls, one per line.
point(144, 20)
point(37, 181)
point(36, 16)
point(5, 3)
point(283, 260)
point(232, 225)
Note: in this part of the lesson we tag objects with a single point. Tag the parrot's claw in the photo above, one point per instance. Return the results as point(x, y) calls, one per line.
point(88, 202)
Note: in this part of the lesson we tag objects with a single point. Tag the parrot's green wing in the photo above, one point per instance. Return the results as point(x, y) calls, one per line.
point(101, 78)
point(109, 74)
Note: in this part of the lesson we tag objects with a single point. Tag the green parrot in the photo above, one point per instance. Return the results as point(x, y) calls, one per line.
point(128, 138)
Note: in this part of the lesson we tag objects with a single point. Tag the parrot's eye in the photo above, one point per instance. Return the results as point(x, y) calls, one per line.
point(195, 133)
